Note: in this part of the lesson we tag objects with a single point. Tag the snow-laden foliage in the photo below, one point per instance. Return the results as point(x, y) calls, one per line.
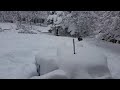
point(109, 27)
point(104, 25)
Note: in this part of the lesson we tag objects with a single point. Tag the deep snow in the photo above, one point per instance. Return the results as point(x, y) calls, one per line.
point(56, 74)
point(46, 61)
point(18, 51)
point(112, 51)
point(86, 64)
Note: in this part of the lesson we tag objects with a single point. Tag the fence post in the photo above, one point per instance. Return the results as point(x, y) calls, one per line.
point(74, 46)
point(39, 70)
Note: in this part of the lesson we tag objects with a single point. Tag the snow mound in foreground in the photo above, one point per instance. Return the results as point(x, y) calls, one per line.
point(56, 74)
point(89, 63)
point(24, 71)
point(47, 61)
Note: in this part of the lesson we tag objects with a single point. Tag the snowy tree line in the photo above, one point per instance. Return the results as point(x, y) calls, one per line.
point(23, 16)
point(104, 25)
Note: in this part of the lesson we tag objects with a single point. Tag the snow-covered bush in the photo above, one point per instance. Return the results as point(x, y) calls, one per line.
point(85, 23)
point(81, 23)
point(109, 25)
point(27, 29)
point(27, 32)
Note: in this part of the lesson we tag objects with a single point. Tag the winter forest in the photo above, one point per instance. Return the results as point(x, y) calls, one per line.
point(59, 44)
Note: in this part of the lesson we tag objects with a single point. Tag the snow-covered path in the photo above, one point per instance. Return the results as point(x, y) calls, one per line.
point(17, 52)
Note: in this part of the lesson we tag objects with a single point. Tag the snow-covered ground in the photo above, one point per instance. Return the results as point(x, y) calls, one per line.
point(112, 51)
point(18, 51)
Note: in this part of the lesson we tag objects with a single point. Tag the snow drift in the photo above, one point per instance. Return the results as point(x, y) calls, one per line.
point(47, 61)
point(87, 64)
point(17, 57)
point(56, 74)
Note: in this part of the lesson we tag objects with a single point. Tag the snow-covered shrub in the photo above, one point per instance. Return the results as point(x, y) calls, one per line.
point(47, 62)
point(84, 65)
point(81, 23)
point(110, 26)
point(27, 32)
point(69, 25)
point(27, 29)
point(61, 31)
point(56, 74)
point(72, 29)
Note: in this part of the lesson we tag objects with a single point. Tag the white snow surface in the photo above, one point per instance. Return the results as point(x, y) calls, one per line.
point(87, 63)
point(47, 60)
point(56, 74)
point(18, 51)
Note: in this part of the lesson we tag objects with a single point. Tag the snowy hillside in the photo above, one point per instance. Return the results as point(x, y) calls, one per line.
point(18, 52)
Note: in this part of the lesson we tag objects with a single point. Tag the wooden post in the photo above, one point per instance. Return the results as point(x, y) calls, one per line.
point(74, 46)
point(39, 70)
